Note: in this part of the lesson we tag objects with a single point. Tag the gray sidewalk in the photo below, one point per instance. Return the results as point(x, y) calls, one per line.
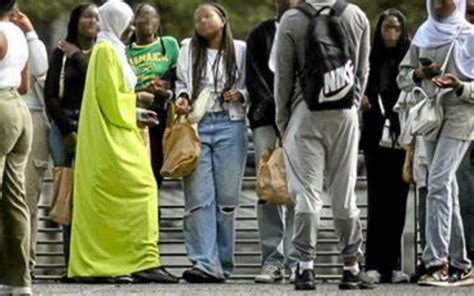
point(238, 288)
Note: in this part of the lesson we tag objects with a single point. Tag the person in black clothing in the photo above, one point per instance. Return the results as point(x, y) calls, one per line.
point(153, 57)
point(64, 87)
point(387, 192)
point(465, 176)
point(275, 222)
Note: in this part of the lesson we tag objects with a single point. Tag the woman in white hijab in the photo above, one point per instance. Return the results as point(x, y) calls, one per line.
point(445, 253)
point(114, 229)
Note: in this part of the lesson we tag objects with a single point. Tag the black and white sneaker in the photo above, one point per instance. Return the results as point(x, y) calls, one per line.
point(437, 276)
point(16, 291)
point(269, 274)
point(461, 277)
point(304, 280)
point(351, 281)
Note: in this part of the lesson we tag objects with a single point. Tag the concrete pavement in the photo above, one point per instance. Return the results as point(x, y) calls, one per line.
point(237, 288)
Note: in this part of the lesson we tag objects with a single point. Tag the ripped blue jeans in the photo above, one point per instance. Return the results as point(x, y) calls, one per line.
point(212, 195)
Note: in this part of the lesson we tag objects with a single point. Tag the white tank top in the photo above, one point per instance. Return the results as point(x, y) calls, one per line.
point(16, 58)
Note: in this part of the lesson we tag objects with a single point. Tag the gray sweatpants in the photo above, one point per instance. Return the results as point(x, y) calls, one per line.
point(321, 151)
point(444, 229)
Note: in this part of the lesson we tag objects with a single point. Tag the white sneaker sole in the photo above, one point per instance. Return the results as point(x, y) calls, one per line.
point(8, 290)
point(3, 290)
point(267, 281)
point(435, 284)
point(464, 283)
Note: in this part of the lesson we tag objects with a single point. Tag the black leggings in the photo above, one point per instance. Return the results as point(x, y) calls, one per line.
point(156, 145)
point(387, 201)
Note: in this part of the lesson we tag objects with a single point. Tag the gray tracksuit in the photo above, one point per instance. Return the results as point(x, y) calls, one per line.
point(321, 147)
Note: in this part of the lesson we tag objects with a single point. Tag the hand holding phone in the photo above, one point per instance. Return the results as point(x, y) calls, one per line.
point(428, 69)
point(147, 117)
point(425, 61)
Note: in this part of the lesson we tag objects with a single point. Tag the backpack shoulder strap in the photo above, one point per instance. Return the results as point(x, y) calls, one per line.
point(307, 9)
point(339, 7)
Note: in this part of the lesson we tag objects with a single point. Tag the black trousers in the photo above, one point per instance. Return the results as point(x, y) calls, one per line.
point(387, 201)
point(156, 145)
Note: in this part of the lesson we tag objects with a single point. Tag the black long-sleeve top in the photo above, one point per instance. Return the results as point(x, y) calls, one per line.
point(259, 77)
point(65, 111)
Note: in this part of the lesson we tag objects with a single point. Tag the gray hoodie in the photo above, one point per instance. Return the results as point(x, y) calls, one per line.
point(290, 52)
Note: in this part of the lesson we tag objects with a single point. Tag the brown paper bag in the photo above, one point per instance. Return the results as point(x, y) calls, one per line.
point(181, 147)
point(272, 185)
point(61, 205)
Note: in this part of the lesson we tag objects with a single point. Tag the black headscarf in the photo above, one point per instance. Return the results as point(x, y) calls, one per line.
point(380, 58)
point(6, 5)
point(380, 53)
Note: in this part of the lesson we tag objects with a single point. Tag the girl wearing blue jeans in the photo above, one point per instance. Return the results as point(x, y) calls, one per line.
point(212, 61)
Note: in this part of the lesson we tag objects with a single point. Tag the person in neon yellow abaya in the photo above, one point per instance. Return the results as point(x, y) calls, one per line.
point(114, 227)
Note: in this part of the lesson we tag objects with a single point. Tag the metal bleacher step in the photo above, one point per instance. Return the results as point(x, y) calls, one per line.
point(50, 261)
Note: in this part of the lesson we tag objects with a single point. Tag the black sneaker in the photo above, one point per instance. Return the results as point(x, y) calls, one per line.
point(304, 280)
point(460, 277)
point(155, 275)
point(197, 276)
point(436, 276)
point(358, 281)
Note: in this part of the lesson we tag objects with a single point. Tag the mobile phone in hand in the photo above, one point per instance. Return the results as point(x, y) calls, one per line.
point(424, 61)
point(148, 117)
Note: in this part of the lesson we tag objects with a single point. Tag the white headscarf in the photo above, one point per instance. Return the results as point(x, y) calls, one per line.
point(435, 33)
point(115, 17)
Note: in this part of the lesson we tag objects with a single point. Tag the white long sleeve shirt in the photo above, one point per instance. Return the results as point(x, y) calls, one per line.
point(184, 84)
point(38, 68)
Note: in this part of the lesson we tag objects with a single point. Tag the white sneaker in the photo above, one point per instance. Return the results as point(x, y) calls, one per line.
point(374, 275)
point(15, 291)
point(269, 274)
point(3, 290)
point(399, 277)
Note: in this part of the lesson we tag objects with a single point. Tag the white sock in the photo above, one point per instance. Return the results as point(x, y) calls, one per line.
point(17, 290)
point(354, 268)
point(293, 269)
point(304, 265)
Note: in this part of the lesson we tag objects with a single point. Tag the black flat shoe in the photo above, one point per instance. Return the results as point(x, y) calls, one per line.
point(155, 275)
point(197, 276)
point(67, 280)
point(123, 279)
